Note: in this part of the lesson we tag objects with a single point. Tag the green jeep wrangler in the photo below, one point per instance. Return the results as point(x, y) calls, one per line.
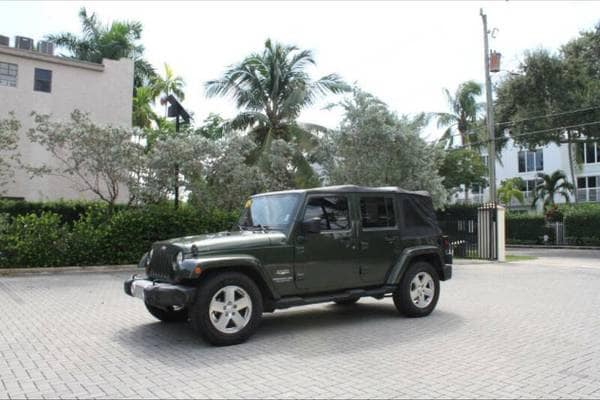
point(294, 248)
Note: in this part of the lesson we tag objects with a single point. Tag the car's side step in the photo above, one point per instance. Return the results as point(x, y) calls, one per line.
point(293, 301)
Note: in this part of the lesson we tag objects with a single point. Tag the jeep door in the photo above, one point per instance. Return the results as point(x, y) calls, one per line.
point(379, 242)
point(326, 260)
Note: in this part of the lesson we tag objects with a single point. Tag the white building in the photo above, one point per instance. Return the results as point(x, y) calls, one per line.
point(36, 81)
point(516, 161)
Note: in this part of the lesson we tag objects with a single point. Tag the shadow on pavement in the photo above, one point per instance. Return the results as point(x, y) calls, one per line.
point(303, 332)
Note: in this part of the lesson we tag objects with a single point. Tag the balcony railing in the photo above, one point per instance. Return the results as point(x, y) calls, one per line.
point(588, 195)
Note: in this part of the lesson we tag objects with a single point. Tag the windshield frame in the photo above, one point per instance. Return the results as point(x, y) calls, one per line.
point(286, 228)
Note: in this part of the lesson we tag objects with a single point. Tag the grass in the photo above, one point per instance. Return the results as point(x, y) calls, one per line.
point(514, 257)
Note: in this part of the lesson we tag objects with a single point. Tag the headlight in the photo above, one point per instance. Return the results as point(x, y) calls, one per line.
point(178, 260)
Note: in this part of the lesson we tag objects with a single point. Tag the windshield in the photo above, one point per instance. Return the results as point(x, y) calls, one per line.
point(268, 212)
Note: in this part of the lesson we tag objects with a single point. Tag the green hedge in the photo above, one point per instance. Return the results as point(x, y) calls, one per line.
point(525, 228)
point(69, 210)
point(97, 238)
point(582, 223)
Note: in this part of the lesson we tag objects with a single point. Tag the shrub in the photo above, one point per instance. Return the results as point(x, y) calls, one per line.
point(32, 240)
point(69, 210)
point(98, 238)
point(525, 228)
point(581, 223)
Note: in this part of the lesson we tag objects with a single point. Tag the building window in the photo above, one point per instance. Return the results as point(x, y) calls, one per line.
point(584, 182)
point(589, 152)
point(43, 80)
point(8, 74)
point(531, 160)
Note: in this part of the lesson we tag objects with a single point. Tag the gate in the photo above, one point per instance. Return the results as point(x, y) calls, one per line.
point(472, 231)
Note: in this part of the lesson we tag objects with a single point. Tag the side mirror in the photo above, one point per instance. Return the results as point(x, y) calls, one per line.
point(312, 226)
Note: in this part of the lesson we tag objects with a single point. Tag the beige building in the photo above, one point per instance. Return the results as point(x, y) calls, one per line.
point(35, 81)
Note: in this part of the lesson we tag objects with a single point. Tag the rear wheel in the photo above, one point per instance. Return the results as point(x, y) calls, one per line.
point(346, 302)
point(419, 290)
point(228, 309)
point(171, 314)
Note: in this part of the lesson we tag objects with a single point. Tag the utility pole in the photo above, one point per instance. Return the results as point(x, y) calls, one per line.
point(490, 110)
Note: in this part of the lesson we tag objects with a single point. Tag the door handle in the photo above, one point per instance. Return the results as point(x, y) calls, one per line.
point(390, 238)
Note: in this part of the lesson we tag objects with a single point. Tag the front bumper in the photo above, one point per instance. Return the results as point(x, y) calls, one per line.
point(161, 295)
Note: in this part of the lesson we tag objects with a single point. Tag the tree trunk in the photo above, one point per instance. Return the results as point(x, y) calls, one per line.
point(571, 166)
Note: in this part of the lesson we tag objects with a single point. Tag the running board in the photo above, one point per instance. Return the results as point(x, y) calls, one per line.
point(294, 301)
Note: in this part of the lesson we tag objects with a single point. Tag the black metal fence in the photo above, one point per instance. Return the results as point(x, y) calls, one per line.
point(472, 231)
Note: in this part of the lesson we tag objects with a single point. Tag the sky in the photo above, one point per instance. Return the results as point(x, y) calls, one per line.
point(405, 53)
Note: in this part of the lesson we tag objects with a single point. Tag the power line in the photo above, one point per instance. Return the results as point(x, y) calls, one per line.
point(530, 133)
point(537, 117)
point(548, 116)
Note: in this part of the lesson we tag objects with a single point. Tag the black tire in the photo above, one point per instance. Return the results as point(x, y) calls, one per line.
point(402, 297)
point(346, 302)
point(168, 315)
point(200, 317)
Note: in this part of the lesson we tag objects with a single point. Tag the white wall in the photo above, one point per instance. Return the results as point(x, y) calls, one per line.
point(103, 91)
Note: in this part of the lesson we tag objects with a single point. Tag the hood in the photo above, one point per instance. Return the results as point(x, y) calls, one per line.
point(222, 241)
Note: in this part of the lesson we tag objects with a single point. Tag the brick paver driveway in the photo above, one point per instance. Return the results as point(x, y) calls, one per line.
point(512, 330)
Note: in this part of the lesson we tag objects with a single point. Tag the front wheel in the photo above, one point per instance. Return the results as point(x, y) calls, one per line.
point(228, 309)
point(419, 290)
point(171, 314)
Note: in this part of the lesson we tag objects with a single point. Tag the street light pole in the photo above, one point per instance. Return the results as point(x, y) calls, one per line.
point(490, 110)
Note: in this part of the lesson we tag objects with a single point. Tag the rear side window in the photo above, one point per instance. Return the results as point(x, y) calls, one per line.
point(332, 211)
point(377, 212)
point(413, 218)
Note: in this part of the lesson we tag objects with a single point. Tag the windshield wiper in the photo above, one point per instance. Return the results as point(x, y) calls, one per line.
point(263, 228)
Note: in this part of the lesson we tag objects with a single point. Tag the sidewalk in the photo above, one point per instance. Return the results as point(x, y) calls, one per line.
point(65, 270)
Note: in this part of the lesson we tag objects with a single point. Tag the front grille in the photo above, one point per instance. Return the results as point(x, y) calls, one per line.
point(161, 263)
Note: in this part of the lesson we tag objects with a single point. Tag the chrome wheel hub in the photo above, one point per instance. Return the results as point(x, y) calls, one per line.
point(422, 289)
point(230, 309)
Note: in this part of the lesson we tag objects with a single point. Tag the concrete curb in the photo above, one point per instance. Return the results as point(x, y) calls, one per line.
point(65, 270)
point(541, 246)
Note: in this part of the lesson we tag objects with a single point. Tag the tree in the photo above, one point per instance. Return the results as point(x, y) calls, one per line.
point(551, 186)
point(212, 127)
point(170, 84)
point(96, 159)
point(511, 189)
point(114, 41)
point(464, 110)
point(173, 161)
point(9, 155)
point(463, 166)
point(375, 147)
point(143, 114)
point(271, 89)
point(554, 97)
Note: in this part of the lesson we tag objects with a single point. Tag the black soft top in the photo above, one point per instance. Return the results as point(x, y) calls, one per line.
point(352, 189)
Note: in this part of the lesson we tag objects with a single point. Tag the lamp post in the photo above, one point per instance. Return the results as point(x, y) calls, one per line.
point(177, 111)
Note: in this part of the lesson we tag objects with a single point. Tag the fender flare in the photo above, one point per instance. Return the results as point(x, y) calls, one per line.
point(241, 261)
point(405, 258)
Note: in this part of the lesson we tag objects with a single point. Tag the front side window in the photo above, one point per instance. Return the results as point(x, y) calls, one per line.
point(8, 74)
point(331, 210)
point(42, 80)
point(377, 212)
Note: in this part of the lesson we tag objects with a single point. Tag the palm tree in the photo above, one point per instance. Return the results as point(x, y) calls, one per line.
point(143, 114)
point(463, 115)
point(510, 189)
point(168, 85)
point(114, 41)
point(271, 89)
point(551, 185)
